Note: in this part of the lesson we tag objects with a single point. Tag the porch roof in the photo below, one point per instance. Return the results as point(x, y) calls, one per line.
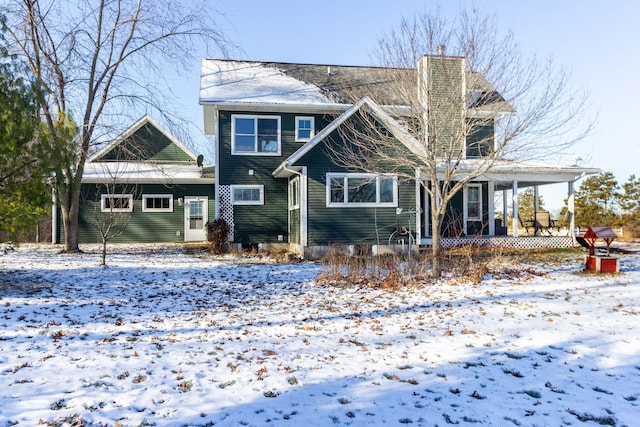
point(527, 174)
point(145, 173)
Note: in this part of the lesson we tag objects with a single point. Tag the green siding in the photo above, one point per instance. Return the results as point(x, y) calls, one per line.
point(260, 223)
point(452, 225)
point(480, 139)
point(445, 81)
point(348, 225)
point(141, 227)
point(147, 143)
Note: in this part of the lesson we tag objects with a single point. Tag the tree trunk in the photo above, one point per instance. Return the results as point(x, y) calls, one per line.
point(436, 248)
point(103, 255)
point(70, 206)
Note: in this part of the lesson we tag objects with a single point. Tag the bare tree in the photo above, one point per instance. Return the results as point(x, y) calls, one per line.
point(451, 102)
point(99, 62)
point(114, 204)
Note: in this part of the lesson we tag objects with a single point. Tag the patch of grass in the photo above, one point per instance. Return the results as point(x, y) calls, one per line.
point(185, 386)
point(58, 405)
point(553, 388)
point(603, 421)
point(513, 372)
point(532, 393)
point(271, 393)
point(601, 390)
point(22, 366)
point(514, 356)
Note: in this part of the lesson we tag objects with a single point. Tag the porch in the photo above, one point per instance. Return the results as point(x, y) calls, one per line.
point(482, 213)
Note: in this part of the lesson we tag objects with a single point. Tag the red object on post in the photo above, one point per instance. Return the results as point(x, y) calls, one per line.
point(599, 263)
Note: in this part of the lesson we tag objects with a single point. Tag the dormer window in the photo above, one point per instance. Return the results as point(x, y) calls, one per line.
point(255, 135)
point(304, 128)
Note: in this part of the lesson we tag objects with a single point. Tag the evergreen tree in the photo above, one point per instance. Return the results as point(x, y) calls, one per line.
point(596, 200)
point(526, 204)
point(24, 191)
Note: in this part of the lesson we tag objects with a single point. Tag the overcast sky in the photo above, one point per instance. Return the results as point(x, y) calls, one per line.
point(597, 41)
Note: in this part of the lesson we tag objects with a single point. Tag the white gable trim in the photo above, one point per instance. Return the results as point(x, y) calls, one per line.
point(382, 116)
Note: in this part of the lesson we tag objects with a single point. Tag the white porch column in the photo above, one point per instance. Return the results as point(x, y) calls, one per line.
point(492, 211)
point(536, 208)
point(418, 209)
point(505, 209)
point(514, 201)
point(571, 211)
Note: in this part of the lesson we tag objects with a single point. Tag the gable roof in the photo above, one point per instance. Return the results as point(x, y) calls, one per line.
point(323, 86)
point(229, 81)
point(145, 140)
point(392, 125)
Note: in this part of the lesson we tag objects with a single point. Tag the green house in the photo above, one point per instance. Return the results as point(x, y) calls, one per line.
point(281, 128)
point(144, 187)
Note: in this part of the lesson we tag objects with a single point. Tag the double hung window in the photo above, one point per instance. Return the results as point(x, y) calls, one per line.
point(294, 193)
point(304, 128)
point(354, 189)
point(255, 135)
point(473, 202)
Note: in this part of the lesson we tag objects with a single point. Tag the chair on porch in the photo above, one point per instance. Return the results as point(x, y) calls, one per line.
point(543, 222)
point(527, 224)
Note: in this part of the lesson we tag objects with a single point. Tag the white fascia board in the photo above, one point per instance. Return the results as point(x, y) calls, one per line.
point(382, 116)
point(277, 107)
point(142, 173)
point(522, 171)
point(317, 138)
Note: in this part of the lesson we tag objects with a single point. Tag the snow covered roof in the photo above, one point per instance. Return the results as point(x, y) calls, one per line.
point(228, 81)
point(318, 85)
point(145, 173)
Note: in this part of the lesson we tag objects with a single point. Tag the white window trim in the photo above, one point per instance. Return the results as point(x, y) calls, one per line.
point(346, 204)
point(104, 197)
point(256, 152)
point(466, 202)
point(247, 202)
point(313, 125)
point(295, 182)
point(157, 196)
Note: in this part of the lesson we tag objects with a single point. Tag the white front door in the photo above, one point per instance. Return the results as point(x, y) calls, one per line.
point(195, 218)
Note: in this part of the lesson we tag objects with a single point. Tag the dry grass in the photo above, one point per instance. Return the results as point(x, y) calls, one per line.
point(469, 263)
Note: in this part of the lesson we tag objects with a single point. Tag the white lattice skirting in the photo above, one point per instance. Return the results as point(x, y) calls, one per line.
point(510, 242)
point(226, 207)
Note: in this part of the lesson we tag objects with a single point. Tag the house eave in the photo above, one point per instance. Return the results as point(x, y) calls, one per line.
point(504, 173)
point(292, 108)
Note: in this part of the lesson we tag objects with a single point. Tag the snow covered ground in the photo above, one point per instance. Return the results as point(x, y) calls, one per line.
point(161, 337)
